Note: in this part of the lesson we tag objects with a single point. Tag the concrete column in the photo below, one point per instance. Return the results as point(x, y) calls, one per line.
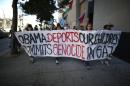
point(77, 13)
point(90, 11)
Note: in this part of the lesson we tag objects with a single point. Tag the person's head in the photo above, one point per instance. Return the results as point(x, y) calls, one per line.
point(108, 26)
point(35, 25)
point(53, 27)
point(29, 27)
point(89, 26)
point(20, 29)
point(82, 27)
point(74, 27)
point(66, 25)
point(58, 26)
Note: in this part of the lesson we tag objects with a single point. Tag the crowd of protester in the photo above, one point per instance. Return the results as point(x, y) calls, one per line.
point(88, 27)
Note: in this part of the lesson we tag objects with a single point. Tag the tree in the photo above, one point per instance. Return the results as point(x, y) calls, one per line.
point(62, 3)
point(43, 9)
point(14, 28)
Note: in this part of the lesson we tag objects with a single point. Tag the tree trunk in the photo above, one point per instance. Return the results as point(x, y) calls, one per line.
point(14, 41)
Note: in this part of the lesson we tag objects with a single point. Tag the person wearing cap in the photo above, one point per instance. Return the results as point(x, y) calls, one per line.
point(108, 26)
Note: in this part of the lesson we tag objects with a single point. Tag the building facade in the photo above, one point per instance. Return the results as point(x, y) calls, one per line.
point(115, 12)
point(5, 24)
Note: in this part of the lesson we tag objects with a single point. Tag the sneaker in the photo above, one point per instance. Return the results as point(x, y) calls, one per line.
point(102, 61)
point(87, 64)
point(107, 63)
point(31, 60)
point(57, 62)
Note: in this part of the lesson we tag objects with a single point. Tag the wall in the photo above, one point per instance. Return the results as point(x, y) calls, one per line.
point(84, 8)
point(71, 19)
point(112, 11)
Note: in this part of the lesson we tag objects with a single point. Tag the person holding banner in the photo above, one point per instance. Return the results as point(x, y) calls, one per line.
point(28, 27)
point(66, 27)
point(88, 27)
point(108, 58)
point(58, 28)
point(108, 26)
point(74, 28)
point(36, 28)
point(81, 27)
point(53, 27)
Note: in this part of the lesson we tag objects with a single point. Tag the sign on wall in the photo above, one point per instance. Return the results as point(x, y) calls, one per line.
point(84, 45)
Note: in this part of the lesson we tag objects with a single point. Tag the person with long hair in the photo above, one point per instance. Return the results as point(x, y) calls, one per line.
point(28, 27)
point(88, 28)
point(58, 27)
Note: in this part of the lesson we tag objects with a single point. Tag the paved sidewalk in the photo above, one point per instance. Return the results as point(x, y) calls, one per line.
point(18, 71)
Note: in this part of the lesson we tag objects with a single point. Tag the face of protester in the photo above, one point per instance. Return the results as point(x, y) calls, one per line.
point(58, 28)
point(108, 28)
point(89, 27)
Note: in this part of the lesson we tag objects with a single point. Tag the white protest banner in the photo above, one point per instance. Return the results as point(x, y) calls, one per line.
point(84, 45)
